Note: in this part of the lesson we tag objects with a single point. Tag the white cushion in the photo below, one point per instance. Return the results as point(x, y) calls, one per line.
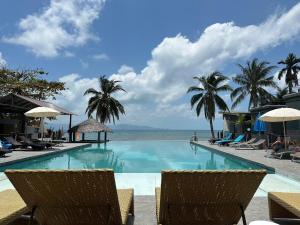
point(262, 222)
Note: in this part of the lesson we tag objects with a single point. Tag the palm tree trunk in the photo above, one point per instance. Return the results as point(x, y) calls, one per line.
point(211, 128)
point(290, 84)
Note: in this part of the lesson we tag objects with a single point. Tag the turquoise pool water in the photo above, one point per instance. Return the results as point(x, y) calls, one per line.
point(137, 157)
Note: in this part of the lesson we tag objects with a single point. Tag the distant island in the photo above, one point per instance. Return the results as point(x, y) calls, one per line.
point(133, 127)
point(113, 127)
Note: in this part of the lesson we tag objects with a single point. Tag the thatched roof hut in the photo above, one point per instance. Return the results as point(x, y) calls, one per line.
point(90, 126)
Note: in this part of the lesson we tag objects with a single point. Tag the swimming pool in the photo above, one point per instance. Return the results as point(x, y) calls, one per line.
point(137, 157)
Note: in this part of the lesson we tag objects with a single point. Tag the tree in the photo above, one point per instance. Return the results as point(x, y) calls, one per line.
point(28, 83)
point(102, 102)
point(290, 70)
point(253, 82)
point(207, 98)
point(281, 92)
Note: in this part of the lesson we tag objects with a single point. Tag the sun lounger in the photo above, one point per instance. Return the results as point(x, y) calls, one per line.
point(236, 140)
point(5, 145)
point(284, 207)
point(205, 197)
point(256, 145)
point(227, 138)
point(3, 150)
point(13, 142)
point(11, 206)
point(282, 154)
point(252, 140)
point(295, 156)
point(34, 146)
point(68, 197)
point(214, 140)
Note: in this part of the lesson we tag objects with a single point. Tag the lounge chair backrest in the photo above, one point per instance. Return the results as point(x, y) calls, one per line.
point(85, 197)
point(239, 138)
point(229, 136)
point(251, 140)
point(206, 197)
point(259, 142)
point(11, 140)
point(25, 139)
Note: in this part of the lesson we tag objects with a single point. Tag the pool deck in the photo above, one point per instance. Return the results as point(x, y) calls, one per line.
point(21, 155)
point(145, 211)
point(281, 166)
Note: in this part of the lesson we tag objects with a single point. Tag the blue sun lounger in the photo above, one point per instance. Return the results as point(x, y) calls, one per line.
point(237, 140)
point(228, 138)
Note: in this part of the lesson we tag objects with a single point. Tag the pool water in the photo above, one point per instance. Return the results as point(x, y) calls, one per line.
point(137, 157)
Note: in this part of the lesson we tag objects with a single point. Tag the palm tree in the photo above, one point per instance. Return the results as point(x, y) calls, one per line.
point(106, 106)
point(207, 97)
point(290, 70)
point(253, 82)
point(281, 92)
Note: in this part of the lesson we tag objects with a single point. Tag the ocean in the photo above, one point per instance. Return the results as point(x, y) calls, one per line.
point(123, 135)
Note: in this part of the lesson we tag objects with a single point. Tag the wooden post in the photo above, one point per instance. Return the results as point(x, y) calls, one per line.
point(70, 126)
point(105, 136)
point(98, 136)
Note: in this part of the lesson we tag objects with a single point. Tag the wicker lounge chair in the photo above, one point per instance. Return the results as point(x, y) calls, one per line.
point(68, 197)
point(11, 206)
point(227, 138)
point(205, 197)
point(284, 207)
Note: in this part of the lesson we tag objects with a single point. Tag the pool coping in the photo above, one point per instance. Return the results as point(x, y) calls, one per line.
point(235, 156)
point(49, 152)
point(270, 168)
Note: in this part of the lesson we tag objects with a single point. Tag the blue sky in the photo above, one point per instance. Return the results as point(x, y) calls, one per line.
point(155, 48)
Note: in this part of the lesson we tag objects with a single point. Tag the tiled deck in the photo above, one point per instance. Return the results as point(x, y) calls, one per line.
point(145, 211)
point(283, 167)
point(19, 155)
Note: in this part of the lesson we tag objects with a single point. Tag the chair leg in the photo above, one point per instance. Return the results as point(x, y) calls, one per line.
point(131, 210)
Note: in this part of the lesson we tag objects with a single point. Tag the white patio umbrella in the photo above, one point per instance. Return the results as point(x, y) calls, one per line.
point(42, 112)
point(281, 115)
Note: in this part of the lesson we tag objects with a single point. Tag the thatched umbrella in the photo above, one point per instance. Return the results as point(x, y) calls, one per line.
point(91, 126)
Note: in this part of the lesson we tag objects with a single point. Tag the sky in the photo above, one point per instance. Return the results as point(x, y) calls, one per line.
point(154, 48)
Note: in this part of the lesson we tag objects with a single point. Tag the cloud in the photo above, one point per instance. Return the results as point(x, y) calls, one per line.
point(158, 92)
point(176, 59)
point(72, 98)
point(100, 57)
point(2, 61)
point(60, 25)
point(124, 69)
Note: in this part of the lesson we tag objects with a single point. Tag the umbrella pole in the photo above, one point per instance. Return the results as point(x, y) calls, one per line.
point(284, 131)
point(42, 128)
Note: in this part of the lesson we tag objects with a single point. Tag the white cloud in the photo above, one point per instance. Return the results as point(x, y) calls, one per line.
point(2, 61)
point(124, 69)
point(175, 60)
point(158, 92)
point(61, 25)
point(100, 57)
point(73, 98)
